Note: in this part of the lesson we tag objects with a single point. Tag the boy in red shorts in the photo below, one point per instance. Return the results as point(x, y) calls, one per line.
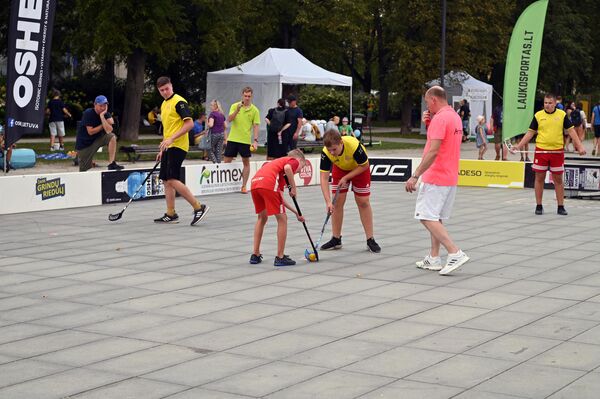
point(549, 124)
point(267, 194)
point(347, 161)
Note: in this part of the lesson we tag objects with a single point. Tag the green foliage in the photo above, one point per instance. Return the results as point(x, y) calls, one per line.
point(318, 102)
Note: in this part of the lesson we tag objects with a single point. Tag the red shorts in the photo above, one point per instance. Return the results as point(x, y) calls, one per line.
point(555, 161)
point(361, 184)
point(270, 200)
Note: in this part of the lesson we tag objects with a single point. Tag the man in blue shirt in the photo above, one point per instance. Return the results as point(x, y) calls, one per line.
point(596, 126)
point(95, 131)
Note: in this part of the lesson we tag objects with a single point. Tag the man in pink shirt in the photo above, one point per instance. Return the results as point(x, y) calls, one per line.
point(439, 176)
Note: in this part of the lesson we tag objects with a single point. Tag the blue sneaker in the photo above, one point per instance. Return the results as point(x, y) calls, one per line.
point(285, 261)
point(255, 259)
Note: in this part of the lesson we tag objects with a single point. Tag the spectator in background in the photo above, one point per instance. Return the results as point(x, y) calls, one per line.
point(333, 123)
point(481, 132)
point(596, 126)
point(496, 124)
point(345, 128)
point(568, 109)
point(465, 113)
point(217, 125)
point(293, 122)
point(559, 103)
point(578, 118)
point(95, 131)
point(8, 152)
point(309, 131)
point(199, 135)
point(56, 111)
point(277, 144)
point(154, 120)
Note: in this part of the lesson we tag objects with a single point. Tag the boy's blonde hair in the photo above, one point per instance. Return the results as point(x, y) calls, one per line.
point(296, 153)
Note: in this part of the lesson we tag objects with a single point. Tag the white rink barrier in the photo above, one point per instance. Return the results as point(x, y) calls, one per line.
point(49, 191)
point(72, 190)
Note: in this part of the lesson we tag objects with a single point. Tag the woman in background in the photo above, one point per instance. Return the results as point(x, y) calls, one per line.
point(217, 125)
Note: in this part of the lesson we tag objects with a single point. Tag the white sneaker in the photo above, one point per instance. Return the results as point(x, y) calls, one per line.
point(454, 261)
point(430, 263)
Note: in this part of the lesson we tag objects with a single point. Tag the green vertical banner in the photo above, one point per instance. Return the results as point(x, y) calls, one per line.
point(521, 73)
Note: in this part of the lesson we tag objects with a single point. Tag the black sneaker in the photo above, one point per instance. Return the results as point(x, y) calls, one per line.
point(562, 211)
point(539, 210)
point(285, 261)
point(255, 259)
point(167, 219)
point(373, 246)
point(199, 214)
point(334, 243)
point(115, 166)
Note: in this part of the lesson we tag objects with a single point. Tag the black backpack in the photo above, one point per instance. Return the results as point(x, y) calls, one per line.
point(576, 117)
point(278, 120)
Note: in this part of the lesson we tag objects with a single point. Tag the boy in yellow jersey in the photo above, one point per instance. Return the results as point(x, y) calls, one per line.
point(347, 161)
point(245, 120)
point(177, 122)
point(549, 150)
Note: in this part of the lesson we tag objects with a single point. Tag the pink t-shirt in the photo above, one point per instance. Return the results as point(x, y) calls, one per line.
point(446, 126)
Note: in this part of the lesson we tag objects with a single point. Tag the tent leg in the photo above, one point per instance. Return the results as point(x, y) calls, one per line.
point(350, 116)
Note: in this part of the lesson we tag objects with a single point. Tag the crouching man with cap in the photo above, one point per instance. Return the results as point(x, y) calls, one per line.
point(95, 131)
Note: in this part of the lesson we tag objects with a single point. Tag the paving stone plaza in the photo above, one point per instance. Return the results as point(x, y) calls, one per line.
point(94, 309)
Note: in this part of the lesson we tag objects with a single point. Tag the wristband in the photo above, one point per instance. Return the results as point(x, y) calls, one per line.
point(415, 176)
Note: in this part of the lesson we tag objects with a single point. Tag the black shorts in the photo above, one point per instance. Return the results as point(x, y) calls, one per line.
point(597, 131)
point(170, 163)
point(232, 149)
point(274, 149)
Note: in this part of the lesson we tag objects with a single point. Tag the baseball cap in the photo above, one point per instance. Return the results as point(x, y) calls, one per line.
point(101, 100)
point(291, 98)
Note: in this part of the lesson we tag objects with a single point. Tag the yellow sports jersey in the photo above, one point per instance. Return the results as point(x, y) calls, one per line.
point(173, 112)
point(549, 128)
point(353, 155)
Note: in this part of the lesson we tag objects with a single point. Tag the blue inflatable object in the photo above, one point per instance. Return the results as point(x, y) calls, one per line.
point(357, 134)
point(22, 158)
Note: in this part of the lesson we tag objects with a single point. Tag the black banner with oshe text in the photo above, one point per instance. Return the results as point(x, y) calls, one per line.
point(29, 42)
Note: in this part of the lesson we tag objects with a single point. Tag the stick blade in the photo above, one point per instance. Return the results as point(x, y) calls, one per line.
point(115, 216)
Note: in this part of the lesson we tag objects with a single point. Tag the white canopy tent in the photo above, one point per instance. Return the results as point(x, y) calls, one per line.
point(266, 74)
point(461, 85)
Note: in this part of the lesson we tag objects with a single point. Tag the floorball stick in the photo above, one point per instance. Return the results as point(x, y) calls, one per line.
point(327, 219)
point(287, 181)
point(116, 216)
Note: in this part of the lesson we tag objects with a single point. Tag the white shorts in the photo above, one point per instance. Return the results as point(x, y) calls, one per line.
point(57, 128)
point(434, 202)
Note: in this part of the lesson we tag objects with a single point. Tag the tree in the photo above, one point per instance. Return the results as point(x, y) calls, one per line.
point(129, 31)
point(476, 39)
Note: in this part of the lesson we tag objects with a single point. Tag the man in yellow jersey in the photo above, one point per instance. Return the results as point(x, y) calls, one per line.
point(549, 150)
point(347, 161)
point(177, 122)
point(245, 119)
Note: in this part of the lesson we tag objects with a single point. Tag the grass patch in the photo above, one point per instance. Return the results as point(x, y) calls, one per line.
point(42, 148)
point(402, 136)
point(389, 123)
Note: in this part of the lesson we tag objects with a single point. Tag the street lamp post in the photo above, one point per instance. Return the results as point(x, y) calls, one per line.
point(443, 55)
